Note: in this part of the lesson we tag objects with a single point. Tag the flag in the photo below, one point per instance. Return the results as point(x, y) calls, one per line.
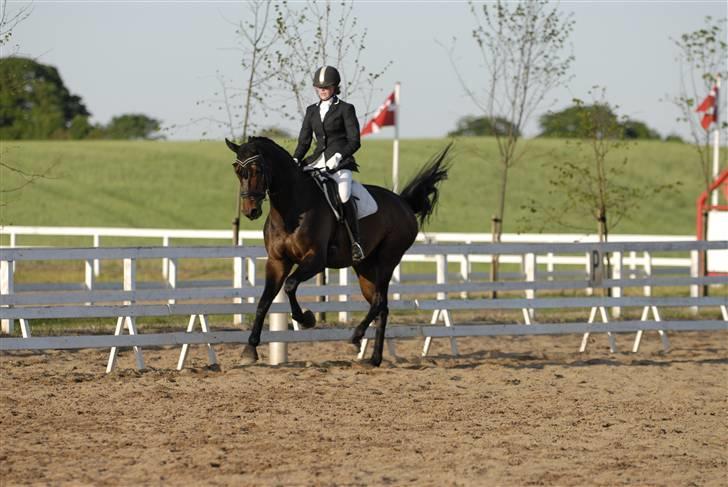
point(384, 116)
point(709, 107)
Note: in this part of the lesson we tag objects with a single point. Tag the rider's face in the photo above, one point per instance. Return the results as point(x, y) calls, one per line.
point(325, 93)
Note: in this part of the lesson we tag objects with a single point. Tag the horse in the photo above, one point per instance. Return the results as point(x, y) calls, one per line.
point(302, 230)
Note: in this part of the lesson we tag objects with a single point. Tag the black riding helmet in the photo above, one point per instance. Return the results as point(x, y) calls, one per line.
point(326, 77)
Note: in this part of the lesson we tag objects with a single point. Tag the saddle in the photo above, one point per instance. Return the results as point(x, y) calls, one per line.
point(330, 190)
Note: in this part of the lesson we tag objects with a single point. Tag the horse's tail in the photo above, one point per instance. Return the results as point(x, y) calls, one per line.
point(421, 193)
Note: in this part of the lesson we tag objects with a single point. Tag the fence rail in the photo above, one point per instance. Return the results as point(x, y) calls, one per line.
point(136, 300)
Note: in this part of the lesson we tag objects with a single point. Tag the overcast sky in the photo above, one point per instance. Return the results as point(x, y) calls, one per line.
point(160, 58)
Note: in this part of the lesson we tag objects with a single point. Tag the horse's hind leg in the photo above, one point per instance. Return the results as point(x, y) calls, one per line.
point(367, 277)
point(383, 307)
point(305, 271)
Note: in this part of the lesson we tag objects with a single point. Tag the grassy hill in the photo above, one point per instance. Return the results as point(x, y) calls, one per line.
point(192, 185)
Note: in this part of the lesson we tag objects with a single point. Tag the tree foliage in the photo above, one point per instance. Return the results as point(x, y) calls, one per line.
point(469, 126)
point(577, 121)
point(34, 101)
point(593, 180)
point(316, 33)
point(36, 104)
point(522, 48)
point(132, 126)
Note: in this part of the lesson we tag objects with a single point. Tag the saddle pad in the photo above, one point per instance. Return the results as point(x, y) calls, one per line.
point(365, 204)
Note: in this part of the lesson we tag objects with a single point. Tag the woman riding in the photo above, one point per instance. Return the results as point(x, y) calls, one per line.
point(336, 128)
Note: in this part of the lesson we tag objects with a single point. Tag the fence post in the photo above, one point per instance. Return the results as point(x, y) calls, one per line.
point(7, 286)
point(647, 266)
point(128, 322)
point(97, 262)
point(550, 265)
point(238, 277)
point(529, 268)
point(89, 279)
point(616, 275)
point(441, 261)
point(632, 264)
point(165, 260)
point(465, 272)
point(343, 281)
point(397, 278)
point(251, 275)
point(694, 274)
point(278, 351)
point(588, 261)
point(171, 276)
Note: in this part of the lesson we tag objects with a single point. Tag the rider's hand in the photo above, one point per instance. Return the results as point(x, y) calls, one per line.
point(333, 162)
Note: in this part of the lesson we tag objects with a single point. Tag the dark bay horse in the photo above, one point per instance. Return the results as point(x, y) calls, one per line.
point(301, 229)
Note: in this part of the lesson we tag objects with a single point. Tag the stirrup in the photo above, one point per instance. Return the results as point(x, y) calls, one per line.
point(357, 254)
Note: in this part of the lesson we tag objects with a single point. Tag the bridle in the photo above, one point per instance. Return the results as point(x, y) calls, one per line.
point(256, 160)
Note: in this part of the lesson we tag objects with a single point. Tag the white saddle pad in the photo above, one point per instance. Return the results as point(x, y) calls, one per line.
point(365, 204)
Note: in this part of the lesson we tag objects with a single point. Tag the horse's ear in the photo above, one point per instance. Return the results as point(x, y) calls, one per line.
point(233, 147)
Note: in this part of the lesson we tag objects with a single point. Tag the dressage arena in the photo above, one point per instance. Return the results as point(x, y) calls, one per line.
point(508, 411)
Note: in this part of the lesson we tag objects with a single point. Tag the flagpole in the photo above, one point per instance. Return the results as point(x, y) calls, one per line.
point(716, 142)
point(395, 144)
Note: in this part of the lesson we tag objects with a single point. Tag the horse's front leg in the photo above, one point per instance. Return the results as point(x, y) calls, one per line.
point(307, 268)
point(276, 271)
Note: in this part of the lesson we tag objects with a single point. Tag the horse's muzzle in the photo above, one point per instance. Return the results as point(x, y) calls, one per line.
point(254, 213)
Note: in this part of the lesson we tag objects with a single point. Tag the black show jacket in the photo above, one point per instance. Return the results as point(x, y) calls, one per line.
point(339, 132)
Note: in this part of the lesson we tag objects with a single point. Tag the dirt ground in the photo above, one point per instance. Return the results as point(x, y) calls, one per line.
point(508, 411)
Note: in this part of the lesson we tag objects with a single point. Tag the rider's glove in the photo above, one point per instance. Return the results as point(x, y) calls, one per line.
point(333, 162)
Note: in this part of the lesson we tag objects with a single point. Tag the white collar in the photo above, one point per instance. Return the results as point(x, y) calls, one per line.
point(333, 100)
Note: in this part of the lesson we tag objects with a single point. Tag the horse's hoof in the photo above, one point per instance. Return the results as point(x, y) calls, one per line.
point(249, 355)
point(376, 361)
point(308, 320)
point(356, 342)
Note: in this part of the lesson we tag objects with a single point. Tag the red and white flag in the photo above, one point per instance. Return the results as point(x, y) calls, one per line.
point(709, 107)
point(384, 116)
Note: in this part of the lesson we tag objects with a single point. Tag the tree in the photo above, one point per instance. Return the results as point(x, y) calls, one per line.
point(8, 20)
point(13, 177)
point(235, 106)
point(521, 46)
point(567, 123)
point(34, 102)
point(593, 180)
point(314, 35)
point(701, 55)
point(473, 126)
point(275, 133)
point(132, 126)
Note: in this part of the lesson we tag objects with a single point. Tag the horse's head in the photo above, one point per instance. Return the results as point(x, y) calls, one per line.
point(252, 171)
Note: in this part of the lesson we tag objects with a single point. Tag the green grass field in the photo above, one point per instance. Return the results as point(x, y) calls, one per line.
point(192, 185)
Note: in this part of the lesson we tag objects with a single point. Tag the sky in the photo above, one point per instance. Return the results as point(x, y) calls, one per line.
point(161, 58)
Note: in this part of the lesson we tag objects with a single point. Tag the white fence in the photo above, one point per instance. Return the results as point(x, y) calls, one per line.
point(200, 300)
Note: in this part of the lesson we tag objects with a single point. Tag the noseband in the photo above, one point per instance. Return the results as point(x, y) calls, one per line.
point(250, 161)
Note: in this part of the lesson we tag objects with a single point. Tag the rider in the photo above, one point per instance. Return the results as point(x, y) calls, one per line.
point(336, 128)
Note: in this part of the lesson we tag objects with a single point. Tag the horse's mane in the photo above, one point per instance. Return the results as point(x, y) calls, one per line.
point(265, 142)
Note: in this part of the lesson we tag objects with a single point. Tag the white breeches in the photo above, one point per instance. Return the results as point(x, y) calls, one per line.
point(343, 178)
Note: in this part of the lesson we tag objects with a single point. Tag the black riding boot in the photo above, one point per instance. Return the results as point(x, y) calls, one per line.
point(357, 253)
